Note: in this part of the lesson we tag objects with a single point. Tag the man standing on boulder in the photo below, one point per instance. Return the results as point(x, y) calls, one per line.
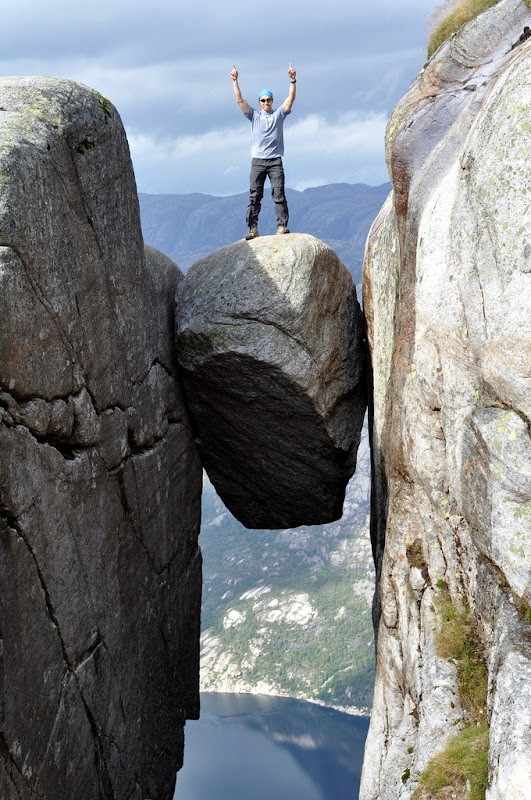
point(267, 149)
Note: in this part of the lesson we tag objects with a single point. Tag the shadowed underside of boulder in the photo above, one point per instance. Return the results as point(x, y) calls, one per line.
point(100, 573)
point(267, 466)
point(270, 338)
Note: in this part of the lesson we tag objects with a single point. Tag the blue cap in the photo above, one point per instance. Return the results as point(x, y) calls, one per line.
point(265, 92)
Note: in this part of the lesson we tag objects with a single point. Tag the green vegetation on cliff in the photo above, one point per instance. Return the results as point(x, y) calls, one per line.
point(458, 15)
point(465, 757)
point(457, 641)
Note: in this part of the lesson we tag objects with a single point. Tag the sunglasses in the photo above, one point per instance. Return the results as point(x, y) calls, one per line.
point(266, 99)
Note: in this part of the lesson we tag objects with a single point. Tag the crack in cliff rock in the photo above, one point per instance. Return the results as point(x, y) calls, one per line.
point(70, 450)
point(130, 515)
point(523, 37)
point(47, 599)
point(174, 377)
point(106, 787)
point(136, 450)
point(13, 524)
point(72, 669)
point(141, 380)
point(41, 297)
point(83, 217)
point(60, 706)
point(9, 761)
point(81, 193)
point(169, 373)
point(247, 318)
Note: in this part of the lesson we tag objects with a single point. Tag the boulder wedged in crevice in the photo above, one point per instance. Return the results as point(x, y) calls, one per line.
point(270, 338)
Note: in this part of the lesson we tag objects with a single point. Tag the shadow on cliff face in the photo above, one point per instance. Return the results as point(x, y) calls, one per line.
point(270, 338)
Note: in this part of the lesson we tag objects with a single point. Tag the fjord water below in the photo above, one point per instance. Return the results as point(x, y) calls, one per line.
point(253, 747)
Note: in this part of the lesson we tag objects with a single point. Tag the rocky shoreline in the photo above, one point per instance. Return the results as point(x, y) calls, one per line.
point(231, 686)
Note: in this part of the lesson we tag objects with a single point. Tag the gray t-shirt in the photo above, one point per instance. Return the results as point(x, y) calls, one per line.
point(267, 139)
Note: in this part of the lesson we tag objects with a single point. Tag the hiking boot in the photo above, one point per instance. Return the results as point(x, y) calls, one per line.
point(253, 233)
point(282, 229)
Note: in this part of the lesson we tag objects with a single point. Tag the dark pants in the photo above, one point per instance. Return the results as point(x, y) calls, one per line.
point(262, 168)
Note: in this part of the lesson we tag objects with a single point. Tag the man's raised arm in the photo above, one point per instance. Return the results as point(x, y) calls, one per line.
point(290, 99)
point(244, 105)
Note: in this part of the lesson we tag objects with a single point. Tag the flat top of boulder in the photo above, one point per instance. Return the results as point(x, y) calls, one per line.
point(281, 260)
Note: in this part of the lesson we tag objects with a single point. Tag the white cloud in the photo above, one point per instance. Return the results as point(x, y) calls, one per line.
point(318, 151)
point(311, 135)
point(213, 143)
point(209, 162)
point(166, 67)
point(318, 137)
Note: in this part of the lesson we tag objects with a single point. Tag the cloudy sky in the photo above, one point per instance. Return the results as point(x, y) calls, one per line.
point(165, 65)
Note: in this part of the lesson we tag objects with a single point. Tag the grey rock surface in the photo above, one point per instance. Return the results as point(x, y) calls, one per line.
point(447, 295)
point(99, 479)
point(270, 338)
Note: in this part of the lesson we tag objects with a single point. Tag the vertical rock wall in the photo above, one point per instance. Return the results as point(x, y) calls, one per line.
point(447, 297)
point(99, 478)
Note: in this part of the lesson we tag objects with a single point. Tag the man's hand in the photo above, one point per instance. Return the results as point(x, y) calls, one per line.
point(244, 105)
point(290, 99)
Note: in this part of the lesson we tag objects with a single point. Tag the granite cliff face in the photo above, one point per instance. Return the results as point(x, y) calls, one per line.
point(447, 296)
point(270, 338)
point(99, 478)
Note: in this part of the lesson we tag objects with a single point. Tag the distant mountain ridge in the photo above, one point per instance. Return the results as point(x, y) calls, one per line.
point(188, 227)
